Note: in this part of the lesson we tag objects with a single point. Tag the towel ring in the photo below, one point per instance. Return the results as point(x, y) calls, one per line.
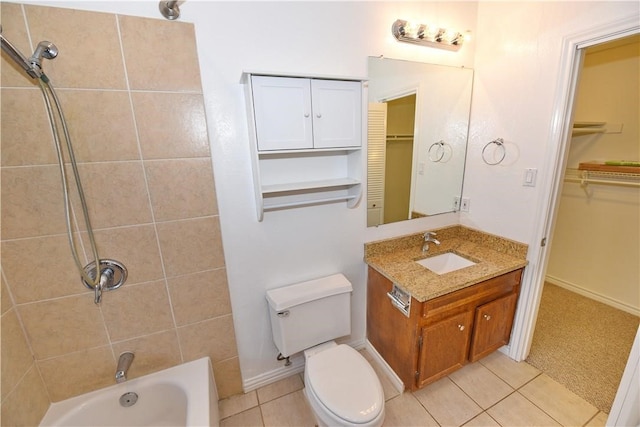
point(440, 149)
point(499, 143)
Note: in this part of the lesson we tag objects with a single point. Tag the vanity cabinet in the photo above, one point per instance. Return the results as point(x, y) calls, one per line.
point(306, 140)
point(443, 334)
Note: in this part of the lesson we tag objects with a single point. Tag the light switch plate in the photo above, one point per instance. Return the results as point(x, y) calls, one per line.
point(530, 175)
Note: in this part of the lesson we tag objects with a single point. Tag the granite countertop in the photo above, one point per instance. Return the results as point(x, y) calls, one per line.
point(493, 255)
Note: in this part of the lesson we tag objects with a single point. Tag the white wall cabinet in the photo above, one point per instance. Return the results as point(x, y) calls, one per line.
point(306, 140)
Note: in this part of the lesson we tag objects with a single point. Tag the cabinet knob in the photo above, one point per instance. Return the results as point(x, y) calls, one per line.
point(306, 114)
point(318, 115)
point(487, 317)
point(461, 327)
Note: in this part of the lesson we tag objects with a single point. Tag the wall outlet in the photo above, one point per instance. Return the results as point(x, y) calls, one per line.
point(456, 203)
point(464, 204)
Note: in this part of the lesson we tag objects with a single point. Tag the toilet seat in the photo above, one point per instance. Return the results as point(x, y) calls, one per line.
point(344, 383)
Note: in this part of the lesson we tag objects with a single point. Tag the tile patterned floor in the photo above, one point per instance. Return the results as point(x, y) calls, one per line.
point(495, 391)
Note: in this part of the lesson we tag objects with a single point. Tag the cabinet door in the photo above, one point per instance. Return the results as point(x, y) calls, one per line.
point(337, 113)
point(445, 347)
point(282, 111)
point(492, 326)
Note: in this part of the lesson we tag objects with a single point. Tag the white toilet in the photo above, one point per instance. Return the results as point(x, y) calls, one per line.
point(340, 385)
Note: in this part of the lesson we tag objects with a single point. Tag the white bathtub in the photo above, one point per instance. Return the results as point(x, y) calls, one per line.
point(184, 395)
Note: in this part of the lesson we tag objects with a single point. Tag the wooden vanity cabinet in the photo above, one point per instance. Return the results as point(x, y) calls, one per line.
point(443, 334)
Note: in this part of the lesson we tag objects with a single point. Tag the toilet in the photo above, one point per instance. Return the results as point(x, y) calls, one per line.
point(340, 385)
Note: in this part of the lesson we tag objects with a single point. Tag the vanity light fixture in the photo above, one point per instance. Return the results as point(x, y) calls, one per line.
point(427, 35)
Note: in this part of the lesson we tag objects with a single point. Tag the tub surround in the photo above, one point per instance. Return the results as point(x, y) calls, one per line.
point(165, 227)
point(395, 259)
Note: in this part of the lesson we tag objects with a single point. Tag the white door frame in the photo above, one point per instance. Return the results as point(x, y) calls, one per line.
point(571, 59)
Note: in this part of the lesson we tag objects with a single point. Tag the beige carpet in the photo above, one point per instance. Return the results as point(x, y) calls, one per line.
point(583, 344)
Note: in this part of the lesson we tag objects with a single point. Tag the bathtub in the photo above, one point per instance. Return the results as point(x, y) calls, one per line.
point(184, 395)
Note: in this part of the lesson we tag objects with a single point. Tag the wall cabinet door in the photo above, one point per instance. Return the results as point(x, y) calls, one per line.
point(337, 113)
point(492, 326)
point(445, 347)
point(294, 113)
point(282, 112)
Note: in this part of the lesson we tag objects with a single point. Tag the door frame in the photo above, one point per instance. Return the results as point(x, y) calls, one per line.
point(572, 54)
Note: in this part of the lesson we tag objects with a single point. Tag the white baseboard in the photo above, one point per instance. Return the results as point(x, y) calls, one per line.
point(593, 295)
point(297, 366)
point(269, 377)
point(395, 379)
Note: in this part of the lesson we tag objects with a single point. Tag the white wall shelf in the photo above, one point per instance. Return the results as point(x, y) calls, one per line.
point(306, 140)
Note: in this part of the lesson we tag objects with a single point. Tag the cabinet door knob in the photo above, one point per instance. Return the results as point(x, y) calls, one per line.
point(461, 327)
point(318, 115)
point(487, 317)
point(306, 114)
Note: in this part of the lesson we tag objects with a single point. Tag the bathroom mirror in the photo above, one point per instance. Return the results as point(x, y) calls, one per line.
point(418, 123)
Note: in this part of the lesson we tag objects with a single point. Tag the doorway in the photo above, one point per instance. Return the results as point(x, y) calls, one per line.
point(573, 53)
point(401, 113)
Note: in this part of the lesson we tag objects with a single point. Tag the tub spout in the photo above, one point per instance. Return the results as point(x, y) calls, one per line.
point(124, 362)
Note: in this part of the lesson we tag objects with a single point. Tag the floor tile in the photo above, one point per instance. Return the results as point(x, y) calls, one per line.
point(564, 406)
point(251, 417)
point(405, 410)
point(516, 374)
point(516, 411)
point(482, 420)
point(447, 403)
point(600, 420)
point(290, 410)
point(238, 403)
point(482, 385)
point(280, 388)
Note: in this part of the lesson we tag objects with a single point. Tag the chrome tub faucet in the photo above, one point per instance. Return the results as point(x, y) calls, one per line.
point(124, 363)
point(429, 238)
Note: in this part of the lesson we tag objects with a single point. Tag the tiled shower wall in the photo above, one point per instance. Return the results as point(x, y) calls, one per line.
point(131, 92)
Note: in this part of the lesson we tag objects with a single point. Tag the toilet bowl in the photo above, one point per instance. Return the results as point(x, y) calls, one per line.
point(341, 387)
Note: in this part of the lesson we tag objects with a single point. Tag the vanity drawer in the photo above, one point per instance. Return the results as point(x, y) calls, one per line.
point(466, 299)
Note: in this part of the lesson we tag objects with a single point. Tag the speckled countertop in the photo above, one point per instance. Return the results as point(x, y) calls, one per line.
point(394, 258)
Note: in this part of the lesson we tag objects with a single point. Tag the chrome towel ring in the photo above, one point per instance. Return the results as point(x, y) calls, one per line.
point(438, 154)
point(499, 142)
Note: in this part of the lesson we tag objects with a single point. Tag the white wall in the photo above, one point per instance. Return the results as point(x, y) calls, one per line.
point(289, 246)
point(517, 48)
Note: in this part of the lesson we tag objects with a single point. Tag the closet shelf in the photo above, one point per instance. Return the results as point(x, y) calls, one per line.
point(587, 128)
point(603, 167)
point(400, 137)
point(584, 177)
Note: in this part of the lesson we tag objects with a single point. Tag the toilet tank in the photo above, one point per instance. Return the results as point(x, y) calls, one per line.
point(310, 313)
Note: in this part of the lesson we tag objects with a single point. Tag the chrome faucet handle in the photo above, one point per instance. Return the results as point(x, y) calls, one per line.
point(429, 234)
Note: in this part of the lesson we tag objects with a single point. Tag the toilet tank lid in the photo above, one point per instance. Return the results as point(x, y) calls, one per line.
point(300, 293)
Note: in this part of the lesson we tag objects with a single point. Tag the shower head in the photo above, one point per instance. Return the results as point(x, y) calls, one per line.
point(32, 65)
point(169, 9)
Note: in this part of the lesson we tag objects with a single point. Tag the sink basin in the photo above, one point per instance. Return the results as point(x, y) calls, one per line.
point(445, 263)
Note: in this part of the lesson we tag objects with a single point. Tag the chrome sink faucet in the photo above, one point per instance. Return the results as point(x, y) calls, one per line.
point(124, 363)
point(429, 238)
